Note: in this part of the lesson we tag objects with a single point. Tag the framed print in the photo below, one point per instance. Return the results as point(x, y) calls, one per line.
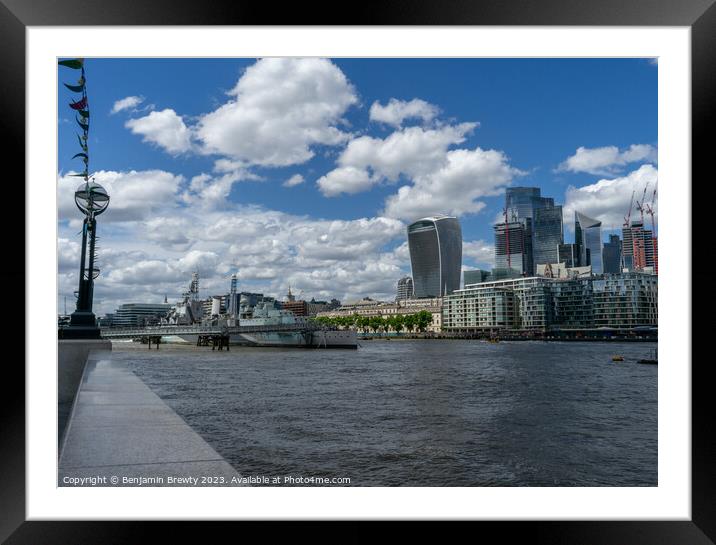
point(301, 170)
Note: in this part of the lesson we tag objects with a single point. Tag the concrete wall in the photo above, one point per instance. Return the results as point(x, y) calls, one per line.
point(72, 356)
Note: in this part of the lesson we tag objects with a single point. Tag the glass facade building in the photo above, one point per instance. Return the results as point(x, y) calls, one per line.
point(542, 221)
point(513, 247)
point(588, 235)
point(548, 235)
point(476, 276)
point(405, 289)
point(615, 301)
point(435, 245)
point(521, 202)
point(612, 254)
point(569, 255)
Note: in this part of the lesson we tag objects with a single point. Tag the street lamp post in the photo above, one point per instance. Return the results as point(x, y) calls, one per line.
point(92, 199)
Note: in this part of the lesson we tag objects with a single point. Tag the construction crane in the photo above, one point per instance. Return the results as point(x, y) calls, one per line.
point(640, 205)
point(627, 218)
point(507, 237)
point(650, 211)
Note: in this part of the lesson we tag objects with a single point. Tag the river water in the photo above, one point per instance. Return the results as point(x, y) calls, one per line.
point(419, 412)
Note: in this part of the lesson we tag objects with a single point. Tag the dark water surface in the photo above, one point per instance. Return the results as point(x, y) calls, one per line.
point(420, 412)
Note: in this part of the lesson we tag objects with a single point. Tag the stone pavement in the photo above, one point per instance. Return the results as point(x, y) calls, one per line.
point(120, 428)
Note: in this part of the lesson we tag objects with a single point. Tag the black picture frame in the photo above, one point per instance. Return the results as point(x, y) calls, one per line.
point(699, 15)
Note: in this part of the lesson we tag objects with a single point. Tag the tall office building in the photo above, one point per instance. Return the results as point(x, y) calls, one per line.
point(435, 245)
point(542, 221)
point(588, 235)
point(521, 202)
point(512, 245)
point(638, 251)
point(612, 253)
point(405, 289)
point(569, 255)
point(548, 234)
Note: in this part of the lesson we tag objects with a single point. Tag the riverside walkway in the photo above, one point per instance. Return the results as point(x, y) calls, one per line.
point(120, 433)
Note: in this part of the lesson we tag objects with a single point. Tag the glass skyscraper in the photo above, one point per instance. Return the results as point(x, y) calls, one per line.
point(521, 202)
point(542, 225)
point(612, 254)
point(435, 245)
point(588, 235)
point(512, 248)
point(548, 235)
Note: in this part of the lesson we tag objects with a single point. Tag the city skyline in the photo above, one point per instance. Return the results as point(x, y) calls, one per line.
point(317, 192)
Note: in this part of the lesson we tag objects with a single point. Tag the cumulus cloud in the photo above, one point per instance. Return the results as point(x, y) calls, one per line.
point(134, 195)
point(293, 181)
point(279, 109)
point(607, 160)
point(268, 249)
point(481, 252)
point(456, 187)
point(608, 199)
point(412, 151)
point(347, 180)
point(127, 103)
point(397, 111)
point(166, 129)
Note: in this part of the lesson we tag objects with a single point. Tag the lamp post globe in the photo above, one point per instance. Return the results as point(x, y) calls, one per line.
point(91, 198)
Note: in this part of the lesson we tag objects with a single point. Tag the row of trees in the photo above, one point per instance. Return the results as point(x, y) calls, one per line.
point(398, 322)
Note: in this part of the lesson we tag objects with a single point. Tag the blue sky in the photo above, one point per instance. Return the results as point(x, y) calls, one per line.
point(197, 154)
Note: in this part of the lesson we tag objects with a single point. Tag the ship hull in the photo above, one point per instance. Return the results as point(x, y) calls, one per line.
point(289, 339)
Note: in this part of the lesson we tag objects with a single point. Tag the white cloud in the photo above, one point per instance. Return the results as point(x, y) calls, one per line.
point(127, 103)
point(481, 252)
point(165, 129)
point(607, 160)
point(412, 151)
point(293, 181)
point(456, 187)
point(348, 259)
point(608, 200)
point(346, 180)
point(397, 111)
point(134, 195)
point(280, 108)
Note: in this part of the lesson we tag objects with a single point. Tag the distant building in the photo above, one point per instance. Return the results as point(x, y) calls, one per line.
point(404, 289)
point(542, 221)
point(475, 276)
point(368, 307)
point(548, 234)
point(619, 301)
point(612, 254)
point(314, 307)
point(435, 245)
point(140, 314)
point(521, 202)
point(569, 255)
point(299, 308)
point(512, 247)
point(625, 300)
point(560, 270)
point(588, 235)
point(638, 249)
